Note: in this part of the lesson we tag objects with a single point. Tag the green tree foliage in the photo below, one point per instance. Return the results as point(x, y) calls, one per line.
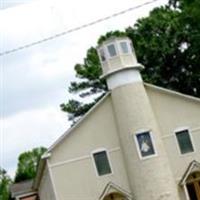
point(90, 82)
point(166, 46)
point(27, 164)
point(5, 182)
point(167, 43)
point(89, 73)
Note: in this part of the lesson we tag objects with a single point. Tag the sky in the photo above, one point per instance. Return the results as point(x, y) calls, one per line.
point(34, 81)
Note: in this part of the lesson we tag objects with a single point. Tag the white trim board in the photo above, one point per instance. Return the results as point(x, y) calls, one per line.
point(172, 92)
point(25, 195)
point(192, 130)
point(76, 159)
point(193, 165)
point(52, 181)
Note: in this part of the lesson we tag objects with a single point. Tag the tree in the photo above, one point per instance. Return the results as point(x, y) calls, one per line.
point(89, 73)
point(5, 182)
point(168, 51)
point(27, 164)
point(91, 84)
point(167, 43)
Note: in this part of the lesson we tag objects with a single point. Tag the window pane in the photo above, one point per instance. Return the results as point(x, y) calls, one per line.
point(145, 144)
point(184, 141)
point(102, 163)
point(102, 55)
point(124, 47)
point(112, 50)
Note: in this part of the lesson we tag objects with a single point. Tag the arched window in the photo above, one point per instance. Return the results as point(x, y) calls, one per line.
point(193, 185)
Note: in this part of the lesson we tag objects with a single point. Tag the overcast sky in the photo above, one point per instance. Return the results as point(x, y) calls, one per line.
point(34, 81)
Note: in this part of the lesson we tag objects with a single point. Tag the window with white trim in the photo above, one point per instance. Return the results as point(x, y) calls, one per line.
point(124, 47)
point(184, 141)
point(145, 144)
point(102, 163)
point(112, 50)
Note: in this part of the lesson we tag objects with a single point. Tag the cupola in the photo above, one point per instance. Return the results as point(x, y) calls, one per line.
point(117, 53)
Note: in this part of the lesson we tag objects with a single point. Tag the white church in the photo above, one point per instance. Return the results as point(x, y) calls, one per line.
point(140, 142)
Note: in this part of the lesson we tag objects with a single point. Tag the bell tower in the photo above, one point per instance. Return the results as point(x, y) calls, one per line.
point(145, 157)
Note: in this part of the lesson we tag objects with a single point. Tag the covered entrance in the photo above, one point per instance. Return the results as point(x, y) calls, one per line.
point(190, 181)
point(114, 192)
point(193, 185)
point(115, 196)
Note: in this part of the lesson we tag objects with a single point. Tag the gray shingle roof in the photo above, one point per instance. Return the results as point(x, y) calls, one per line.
point(21, 188)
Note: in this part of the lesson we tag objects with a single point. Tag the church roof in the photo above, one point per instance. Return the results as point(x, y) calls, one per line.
point(21, 188)
point(172, 92)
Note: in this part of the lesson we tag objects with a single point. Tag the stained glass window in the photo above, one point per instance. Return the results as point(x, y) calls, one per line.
point(145, 144)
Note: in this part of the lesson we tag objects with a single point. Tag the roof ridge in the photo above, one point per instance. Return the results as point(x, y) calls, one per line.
point(169, 91)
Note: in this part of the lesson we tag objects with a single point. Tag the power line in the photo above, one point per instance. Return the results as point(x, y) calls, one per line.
point(74, 29)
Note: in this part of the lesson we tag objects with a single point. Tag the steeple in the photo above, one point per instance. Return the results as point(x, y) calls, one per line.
point(145, 158)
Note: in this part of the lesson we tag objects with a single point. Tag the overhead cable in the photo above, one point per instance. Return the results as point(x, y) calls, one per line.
point(74, 29)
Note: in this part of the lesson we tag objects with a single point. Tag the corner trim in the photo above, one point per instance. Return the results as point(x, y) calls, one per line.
point(52, 181)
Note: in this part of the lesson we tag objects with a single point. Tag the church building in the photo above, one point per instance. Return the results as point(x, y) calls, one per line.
point(139, 142)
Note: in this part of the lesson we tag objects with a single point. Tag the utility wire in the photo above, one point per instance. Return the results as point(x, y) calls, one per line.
point(74, 29)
